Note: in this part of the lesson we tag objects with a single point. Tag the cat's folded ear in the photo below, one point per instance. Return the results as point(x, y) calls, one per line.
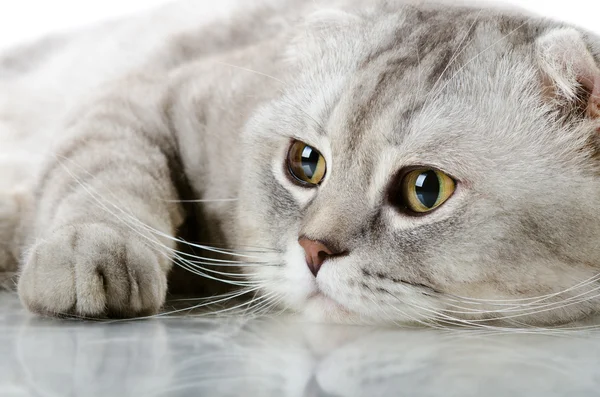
point(571, 75)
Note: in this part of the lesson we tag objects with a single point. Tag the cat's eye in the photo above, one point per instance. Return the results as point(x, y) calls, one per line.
point(305, 164)
point(423, 190)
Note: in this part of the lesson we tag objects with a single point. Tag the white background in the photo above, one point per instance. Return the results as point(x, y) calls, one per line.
point(22, 20)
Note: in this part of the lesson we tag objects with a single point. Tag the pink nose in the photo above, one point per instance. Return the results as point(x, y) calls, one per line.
point(316, 253)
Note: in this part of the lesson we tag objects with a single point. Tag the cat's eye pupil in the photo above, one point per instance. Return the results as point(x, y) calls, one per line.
point(310, 161)
point(427, 188)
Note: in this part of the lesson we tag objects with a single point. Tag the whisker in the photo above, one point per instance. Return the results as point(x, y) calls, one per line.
point(202, 200)
point(509, 302)
point(194, 270)
point(459, 50)
point(89, 189)
point(264, 304)
point(250, 71)
point(412, 318)
point(221, 262)
point(318, 124)
point(555, 306)
point(442, 317)
point(525, 308)
point(437, 92)
point(195, 307)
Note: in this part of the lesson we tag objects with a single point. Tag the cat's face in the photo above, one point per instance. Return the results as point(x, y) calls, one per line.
point(403, 108)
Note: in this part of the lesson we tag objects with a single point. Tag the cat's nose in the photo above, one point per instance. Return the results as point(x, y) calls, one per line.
point(316, 252)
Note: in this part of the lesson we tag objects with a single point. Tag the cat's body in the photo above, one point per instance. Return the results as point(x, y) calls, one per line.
point(207, 110)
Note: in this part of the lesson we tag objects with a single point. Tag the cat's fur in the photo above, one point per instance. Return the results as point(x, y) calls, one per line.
point(172, 107)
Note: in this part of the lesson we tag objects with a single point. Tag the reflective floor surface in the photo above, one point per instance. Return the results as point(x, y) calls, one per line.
point(237, 357)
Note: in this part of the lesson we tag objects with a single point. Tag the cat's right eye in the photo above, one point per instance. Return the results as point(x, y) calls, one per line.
point(305, 164)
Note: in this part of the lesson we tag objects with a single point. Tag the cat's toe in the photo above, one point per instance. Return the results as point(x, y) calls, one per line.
point(93, 270)
point(47, 281)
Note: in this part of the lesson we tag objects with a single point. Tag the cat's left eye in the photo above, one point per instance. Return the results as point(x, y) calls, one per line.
point(305, 164)
point(422, 190)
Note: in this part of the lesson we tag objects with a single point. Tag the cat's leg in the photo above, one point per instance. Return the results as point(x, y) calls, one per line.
point(106, 211)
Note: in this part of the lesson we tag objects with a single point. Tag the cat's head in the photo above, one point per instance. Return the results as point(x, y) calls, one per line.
point(436, 163)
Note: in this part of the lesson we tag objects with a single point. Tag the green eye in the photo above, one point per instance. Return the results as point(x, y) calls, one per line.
point(423, 190)
point(306, 164)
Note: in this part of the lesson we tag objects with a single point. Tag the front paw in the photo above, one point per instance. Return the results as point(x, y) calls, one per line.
point(93, 270)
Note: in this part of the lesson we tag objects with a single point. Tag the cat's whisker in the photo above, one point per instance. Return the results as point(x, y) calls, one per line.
point(557, 330)
point(203, 298)
point(435, 93)
point(203, 200)
point(246, 248)
point(220, 262)
point(200, 261)
point(205, 247)
point(508, 309)
point(250, 71)
point(529, 300)
point(100, 202)
point(438, 316)
point(263, 305)
point(269, 308)
point(200, 246)
point(226, 298)
point(420, 73)
point(459, 50)
point(155, 244)
point(262, 299)
point(227, 274)
point(503, 316)
point(527, 309)
point(89, 190)
point(232, 310)
point(553, 306)
point(318, 124)
point(195, 270)
point(403, 313)
point(256, 298)
point(428, 322)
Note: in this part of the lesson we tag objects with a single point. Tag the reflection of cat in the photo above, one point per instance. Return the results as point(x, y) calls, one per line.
point(232, 357)
point(91, 359)
point(388, 162)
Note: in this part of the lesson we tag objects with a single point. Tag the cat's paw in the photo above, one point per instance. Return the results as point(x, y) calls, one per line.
point(93, 270)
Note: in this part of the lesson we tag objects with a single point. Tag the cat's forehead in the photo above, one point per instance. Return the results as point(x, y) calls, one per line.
point(423, 73)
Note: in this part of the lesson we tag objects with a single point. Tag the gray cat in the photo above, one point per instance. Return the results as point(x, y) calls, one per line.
point(359, 162)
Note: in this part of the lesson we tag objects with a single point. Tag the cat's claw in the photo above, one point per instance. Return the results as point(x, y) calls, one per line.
point(93, 270)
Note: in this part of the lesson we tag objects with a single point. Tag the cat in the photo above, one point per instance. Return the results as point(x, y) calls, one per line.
point(381, 162)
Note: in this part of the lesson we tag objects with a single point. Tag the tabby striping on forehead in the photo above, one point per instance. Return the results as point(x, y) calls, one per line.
point(363, 162)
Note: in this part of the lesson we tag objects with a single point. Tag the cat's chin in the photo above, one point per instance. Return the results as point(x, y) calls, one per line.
point(321, 308)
